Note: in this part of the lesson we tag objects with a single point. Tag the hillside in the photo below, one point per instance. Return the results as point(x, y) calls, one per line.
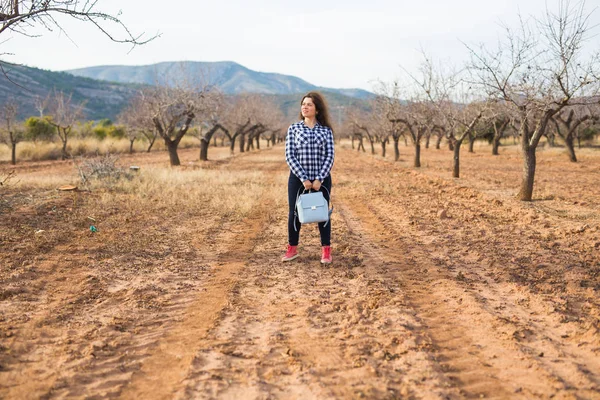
point(24, 84)
point(106, 98)
point(230, 77)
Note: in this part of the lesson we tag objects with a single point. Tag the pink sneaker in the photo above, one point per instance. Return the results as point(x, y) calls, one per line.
point(291, 253)
point(326, 255)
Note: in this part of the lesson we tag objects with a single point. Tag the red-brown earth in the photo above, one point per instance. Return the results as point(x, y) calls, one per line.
point(440, 287)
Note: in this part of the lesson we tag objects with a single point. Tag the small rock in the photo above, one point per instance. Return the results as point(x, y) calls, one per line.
point(379, 355)
point(98, 345)
point(442, 214)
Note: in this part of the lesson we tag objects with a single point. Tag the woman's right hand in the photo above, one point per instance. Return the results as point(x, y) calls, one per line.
point(307, 185)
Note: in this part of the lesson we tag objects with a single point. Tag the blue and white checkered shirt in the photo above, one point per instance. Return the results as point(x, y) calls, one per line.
point(309, 152)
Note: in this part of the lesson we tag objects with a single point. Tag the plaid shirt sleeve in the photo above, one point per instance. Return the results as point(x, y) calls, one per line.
point(329, 156)
point(290, 156)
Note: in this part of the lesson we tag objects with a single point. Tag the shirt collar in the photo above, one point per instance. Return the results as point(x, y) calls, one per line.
point(316, 124)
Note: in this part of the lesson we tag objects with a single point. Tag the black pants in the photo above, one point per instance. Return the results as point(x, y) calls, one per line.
point(295, 185)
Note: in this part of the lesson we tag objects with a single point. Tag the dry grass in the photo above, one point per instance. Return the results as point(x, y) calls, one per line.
point(32, 151)
point(227, 193)
point(160, 188)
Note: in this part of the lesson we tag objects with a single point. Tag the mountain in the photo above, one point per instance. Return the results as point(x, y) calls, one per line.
point(24, 84)
point(230, 77)
point(106, 98)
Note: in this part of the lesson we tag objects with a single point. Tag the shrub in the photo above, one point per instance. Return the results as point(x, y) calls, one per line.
point(100, 132)
point(117, 132)
point(589, 133)
point(39, 129)
point(102, 168)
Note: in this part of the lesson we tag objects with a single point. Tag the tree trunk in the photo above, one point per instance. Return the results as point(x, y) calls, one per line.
point(495, 145)
point(232, 144)
point(361, 145)
point(529, 162)
point(242, 142)
point(417, 163)
point(215, 141)
point(131, 145)
point(372, 146)
point(471, 143)
point(13, 156)
point(396, 149)
point(258, 142)
point(383, 143)
point(203, 150)
point(427, 138)
point(64, 148)
point(456, 159)
point(151, 144)
point(438, 142)
point(550, 137)
point(172, 147)
point(353, 142)
point(569, 143)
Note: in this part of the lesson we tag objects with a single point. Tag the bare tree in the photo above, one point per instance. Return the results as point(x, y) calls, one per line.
point(173, 109)
point(384, 110)
point(439, 130)
point(538, 70)
point(361, 131)
point(568, 120)
point(132, 132)
point(24, 16)
point(205, 139)
point(63, 116)
point(446, 92)
point(267, 116)
point(244, 116)
point(138, 119)
point(41, 104)
point(13, 134)
point(499, 119)
point(415, 114)
point(209, 124)
point(173, 103)
point(418, 118)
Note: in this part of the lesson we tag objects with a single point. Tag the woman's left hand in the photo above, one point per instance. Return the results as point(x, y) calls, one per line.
point(316, 185)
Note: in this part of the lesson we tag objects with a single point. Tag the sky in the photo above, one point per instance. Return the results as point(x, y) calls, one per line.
point(332, 43)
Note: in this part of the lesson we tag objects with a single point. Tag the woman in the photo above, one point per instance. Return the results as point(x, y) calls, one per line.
point(309, 154)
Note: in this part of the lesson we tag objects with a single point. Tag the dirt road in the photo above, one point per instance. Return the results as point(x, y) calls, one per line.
point(440, 288)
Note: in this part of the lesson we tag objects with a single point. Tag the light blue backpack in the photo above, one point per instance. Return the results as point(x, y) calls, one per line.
point(311, 207)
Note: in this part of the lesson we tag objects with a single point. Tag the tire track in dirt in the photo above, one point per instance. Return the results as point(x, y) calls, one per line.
point(163, 372)
point(494, 339)
point(70, 356)
point(306, 331)
point(521, 319)
point(464, 345)
point(553, 324)
point(67, 350)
